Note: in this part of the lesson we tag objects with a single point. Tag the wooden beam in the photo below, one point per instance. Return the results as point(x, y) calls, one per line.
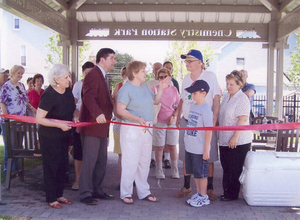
point(75, 4)
point(62, 3)
point(39, 12)
point(272, 5)
point(173, 8)
point(289, 24)
point(287, 3)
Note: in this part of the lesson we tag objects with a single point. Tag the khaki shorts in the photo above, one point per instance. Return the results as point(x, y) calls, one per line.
point(117, 145)
point(164, 136)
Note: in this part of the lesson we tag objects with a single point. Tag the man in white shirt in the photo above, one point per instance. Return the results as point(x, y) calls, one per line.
point(194, 61)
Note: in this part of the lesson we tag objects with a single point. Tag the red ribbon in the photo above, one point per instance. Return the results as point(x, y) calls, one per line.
point(277, 126)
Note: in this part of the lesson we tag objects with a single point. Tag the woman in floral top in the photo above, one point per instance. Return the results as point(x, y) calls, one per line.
point(13, 101)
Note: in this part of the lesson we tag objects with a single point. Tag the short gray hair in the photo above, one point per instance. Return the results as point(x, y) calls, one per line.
point(58, 70)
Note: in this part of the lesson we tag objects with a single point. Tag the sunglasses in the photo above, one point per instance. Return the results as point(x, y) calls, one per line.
point(163, 77)
point(190, 61)
point(19, 90)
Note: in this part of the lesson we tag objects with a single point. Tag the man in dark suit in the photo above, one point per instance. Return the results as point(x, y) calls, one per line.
point(96, 106)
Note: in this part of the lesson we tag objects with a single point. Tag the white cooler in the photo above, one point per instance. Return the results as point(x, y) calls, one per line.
point(271, 179)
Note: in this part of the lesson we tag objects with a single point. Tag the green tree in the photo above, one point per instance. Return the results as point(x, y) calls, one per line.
point(182, 47)
point(122, 59)
point(294, 71)
point(54, 54)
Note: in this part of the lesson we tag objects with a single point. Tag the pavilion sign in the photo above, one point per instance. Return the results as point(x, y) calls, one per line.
point(169, 34)
point(182, 33)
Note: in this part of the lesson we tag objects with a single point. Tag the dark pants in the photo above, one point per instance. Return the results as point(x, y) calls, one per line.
point(94, 159)
point(55, 162)
point(232, 161)
point(77, 146)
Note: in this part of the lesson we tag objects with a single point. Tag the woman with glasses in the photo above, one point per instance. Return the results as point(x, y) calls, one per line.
point(13, 101)
point(234, 145)
point(166, 118)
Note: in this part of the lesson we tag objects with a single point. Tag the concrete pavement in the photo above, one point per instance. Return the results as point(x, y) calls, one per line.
point(27, 200)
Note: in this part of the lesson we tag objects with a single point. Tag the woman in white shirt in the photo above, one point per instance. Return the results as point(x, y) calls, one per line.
point(234, 145)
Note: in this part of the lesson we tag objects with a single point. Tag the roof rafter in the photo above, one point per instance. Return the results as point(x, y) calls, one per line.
point(174, 7)
point(76, 3)
point(287, 3)
point(272, 5)
point(62, 3)
point(289, 24)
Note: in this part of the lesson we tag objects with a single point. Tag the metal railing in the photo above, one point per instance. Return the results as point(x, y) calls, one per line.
point(291, 106)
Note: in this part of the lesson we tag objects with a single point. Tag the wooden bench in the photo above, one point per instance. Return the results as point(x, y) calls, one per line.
point(22, 143)
point(288, 140)
point(264, 142)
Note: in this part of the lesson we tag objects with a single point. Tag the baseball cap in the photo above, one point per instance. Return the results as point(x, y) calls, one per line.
point(2, 70)
point(193, 53)
point(198, 85)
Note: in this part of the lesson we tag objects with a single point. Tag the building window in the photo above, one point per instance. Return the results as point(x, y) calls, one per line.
point(16, 23)
point(23, 55)
point(240, 63)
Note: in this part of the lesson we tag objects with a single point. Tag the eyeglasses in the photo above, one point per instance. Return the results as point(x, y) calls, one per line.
point(19, 90)
point(163, 77)
point(190, 61)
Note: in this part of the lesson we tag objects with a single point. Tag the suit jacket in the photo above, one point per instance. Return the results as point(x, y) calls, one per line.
point(96, 100)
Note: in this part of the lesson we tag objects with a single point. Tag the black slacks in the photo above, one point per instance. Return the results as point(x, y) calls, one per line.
point(55, 162)
point(232, 161)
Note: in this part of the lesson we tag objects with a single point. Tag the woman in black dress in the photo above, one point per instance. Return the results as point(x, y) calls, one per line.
point(57, 102)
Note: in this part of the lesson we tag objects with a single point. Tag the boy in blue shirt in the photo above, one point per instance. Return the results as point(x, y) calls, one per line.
point(197, 143)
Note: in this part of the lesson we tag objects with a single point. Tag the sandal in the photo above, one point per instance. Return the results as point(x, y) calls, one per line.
point(151, 198)
point(65, 201)
point(75, 186)
point(54, 205)
point(128, 200)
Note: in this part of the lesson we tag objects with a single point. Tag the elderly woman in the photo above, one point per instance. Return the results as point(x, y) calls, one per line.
point(166, 118)
point(234, 145)
point(57, 102)
point(135, 105)
point(14, 101)
point(35, 94)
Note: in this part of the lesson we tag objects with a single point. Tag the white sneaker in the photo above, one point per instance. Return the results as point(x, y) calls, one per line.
point(159, 174)
point(194, 197)
point(175, 173)
point(200, 201)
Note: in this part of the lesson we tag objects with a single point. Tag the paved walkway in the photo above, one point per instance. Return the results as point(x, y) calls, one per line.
point(26, 199)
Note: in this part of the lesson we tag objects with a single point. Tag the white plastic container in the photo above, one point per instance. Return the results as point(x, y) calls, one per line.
point(271, 179)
